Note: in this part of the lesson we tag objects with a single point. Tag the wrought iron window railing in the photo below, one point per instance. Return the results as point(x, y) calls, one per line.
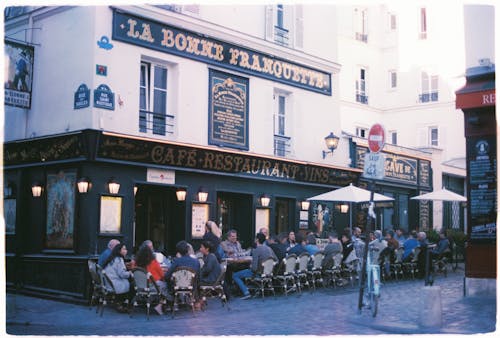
point(281, 36)
point(155, 123)
point(362, 98)
point(429, 97)
point(282, 145)
point(361, 37)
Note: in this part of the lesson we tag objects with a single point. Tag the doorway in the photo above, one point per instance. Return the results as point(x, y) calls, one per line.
point(284, 219)
point(159, 217)
point(234, 211)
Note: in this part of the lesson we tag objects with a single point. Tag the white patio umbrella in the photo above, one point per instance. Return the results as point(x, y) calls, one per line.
point(441, 195)
point(351, 194)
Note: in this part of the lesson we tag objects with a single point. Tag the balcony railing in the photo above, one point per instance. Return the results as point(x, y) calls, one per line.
point(428, 97)
point(361, 37)
point(281, 145)
point(155, 123)
point(281, 36)
point(362, 98)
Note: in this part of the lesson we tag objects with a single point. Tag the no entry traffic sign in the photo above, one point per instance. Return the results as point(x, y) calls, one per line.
point(376, 138)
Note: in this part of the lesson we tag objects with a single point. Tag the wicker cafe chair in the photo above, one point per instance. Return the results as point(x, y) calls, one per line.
point(184, 288)
point(216, 290)
point(147, 291)
point(301, 272)
point(263, 280)
point(285, 279)
point(97, 287)
point(108, 289)
point(314, 273)
point(411, 267)
point(397, 265)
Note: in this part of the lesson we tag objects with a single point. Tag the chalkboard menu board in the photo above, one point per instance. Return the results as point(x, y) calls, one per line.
point(228, 110)
point(482, 165)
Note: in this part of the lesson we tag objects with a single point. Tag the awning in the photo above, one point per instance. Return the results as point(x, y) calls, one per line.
point(476, 94)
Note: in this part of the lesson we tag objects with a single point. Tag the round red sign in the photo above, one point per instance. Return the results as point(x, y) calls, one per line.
point(376, 138)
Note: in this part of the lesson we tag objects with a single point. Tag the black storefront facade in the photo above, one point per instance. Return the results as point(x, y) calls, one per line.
point(49, 238)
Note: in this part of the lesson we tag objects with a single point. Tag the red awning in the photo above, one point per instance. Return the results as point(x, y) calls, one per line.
point(476, 94)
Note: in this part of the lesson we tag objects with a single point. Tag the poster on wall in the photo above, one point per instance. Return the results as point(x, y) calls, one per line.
point(228, 110)
point(60, 210)
point(18, 77)
point(199, 216)
point(111, 215)
point(322, 216)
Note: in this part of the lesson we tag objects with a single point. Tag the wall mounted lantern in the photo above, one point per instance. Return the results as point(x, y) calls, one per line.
point(135, 189)
point(202, 195)
point(344, 208)
point(332, 142)
point(181, 195)
point(83, 185)
point(113, 186)
point(36, 189)
point(304, 205)
point(265, 200)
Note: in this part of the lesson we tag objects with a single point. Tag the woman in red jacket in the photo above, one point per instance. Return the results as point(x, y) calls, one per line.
point(145, 259)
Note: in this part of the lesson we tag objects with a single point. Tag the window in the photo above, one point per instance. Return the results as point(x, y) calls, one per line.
point(281, 140)
point(284, 25)
point(423, 24)
point(392, 22)
point(429, 88)
point(393, 79)
point(361, 25)
point(433, 136)
point(153, 100)
point(361, 132)
point(394, 137)
point(361, 87)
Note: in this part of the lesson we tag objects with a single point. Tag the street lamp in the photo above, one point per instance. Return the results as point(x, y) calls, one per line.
point(332, 142)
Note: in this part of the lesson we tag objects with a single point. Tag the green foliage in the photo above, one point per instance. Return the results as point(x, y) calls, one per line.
point(432, 236)
point(458, 236)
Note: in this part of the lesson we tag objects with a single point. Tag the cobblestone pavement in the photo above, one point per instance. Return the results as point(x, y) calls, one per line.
point(327, 311)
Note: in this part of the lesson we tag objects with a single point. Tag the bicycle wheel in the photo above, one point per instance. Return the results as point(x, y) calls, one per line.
point(373, 303)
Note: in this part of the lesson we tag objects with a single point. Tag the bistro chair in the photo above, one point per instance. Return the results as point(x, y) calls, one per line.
point(332, 272)
point(184, 288)
point(97, 287)
point(147, 291)
point(108, 289)
point(397, 266)
point(263, 280)
point(285, 279)
point(301, 272)
point(216, 290)
point(314, 274)
point(411, 267)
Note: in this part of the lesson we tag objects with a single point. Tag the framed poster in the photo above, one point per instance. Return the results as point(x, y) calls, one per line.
point(228, 110)
point(261, 219)
point(111, 215)
point(18, 74)
point(9, 214)
point(199, 216)
point(60, 210)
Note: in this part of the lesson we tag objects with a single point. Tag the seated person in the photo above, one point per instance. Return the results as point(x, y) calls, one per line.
point(311, 246)
point(259, 254)
point(105, 254)
point(442, 248)
point(232, 246)
point(115, 269)
point(211, 269)
point(410, 244)
point(277, 244)
point(333, 248)
point(299, 246)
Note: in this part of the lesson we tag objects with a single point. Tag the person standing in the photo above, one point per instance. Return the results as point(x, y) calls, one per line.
point(212, 234)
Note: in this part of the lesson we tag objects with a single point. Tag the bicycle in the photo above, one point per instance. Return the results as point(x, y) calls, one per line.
point(372, 290)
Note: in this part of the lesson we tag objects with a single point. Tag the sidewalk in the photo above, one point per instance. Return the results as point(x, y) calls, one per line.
point(327, 311)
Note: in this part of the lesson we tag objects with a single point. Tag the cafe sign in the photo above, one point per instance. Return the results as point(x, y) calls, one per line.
point(173, 40)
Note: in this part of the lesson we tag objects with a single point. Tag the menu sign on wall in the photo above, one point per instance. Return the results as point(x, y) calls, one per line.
point(228, 110)
point(483, 190)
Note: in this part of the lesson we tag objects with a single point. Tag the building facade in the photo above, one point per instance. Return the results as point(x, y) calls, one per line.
point(142, 122)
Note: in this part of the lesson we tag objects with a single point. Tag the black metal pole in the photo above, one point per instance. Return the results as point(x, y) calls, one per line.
point(365, 251)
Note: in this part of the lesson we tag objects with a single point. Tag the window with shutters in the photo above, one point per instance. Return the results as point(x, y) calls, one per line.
point(284, 24)
point(423, 24)
point(282, 138)
point(360, 20)
point(361, 95)
point(429, 85)
point(153, 117)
